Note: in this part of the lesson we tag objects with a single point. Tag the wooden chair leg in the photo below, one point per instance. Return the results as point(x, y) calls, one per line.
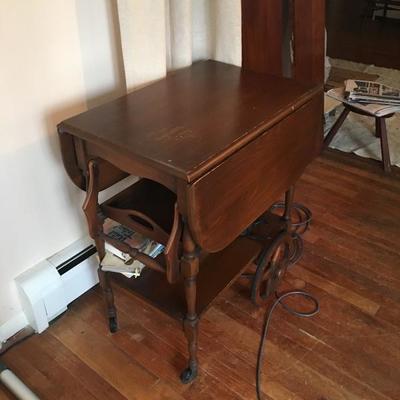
point(335, 128)
point(190, 268)
point(382, 134)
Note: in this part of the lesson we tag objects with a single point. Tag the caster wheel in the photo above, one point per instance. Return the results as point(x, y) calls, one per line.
point(113, 324)
point(188, 375)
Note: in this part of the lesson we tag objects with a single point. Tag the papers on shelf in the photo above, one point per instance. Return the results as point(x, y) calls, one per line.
point(117, 261)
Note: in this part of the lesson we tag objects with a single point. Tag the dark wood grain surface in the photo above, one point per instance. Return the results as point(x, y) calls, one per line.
point(227, 141)
point(269, 26)
point(190, 121)
point(222, 202)
point(262, 36)
point(349, 351)
point(309, 46)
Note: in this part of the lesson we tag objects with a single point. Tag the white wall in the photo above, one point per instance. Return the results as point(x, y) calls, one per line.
point(101, 52)
point(57, 58)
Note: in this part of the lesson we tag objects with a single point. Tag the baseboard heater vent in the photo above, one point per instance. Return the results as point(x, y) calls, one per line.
point(76, 259)
point(46, 289)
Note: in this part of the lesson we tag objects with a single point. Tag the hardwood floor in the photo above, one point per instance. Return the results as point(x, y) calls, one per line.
point(350, 351)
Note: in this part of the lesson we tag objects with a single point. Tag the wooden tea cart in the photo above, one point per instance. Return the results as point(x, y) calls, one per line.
point(214, 146)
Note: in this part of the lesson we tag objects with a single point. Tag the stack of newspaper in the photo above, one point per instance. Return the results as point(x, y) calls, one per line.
point(371, 92)
point(371, 97)
point(118, 261)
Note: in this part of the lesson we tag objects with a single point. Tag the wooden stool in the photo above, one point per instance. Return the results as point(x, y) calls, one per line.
point(380, 132)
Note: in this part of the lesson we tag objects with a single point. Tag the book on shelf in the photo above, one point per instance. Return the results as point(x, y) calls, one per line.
point(117, 261)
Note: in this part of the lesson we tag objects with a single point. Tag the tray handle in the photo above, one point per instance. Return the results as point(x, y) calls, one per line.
point(172, 248)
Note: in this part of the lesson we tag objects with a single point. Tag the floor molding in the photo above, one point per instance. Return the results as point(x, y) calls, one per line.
point(11, 327)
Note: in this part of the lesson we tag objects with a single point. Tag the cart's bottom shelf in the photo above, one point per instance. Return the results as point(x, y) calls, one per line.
point(217, 271)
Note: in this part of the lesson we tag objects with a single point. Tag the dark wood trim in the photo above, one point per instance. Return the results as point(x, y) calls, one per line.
point(309, 40)
point(262, 36)
point(263, 27)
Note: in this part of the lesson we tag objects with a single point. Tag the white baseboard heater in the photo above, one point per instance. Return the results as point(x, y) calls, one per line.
point(46, 289)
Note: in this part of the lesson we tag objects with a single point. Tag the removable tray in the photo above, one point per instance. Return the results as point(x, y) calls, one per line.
point(146, 207)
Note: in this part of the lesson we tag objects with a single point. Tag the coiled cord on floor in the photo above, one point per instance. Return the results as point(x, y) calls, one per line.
point(267, 320)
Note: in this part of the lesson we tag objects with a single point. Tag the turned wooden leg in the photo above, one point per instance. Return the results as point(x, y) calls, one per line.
point(190, 268)
point(381, 132)
point(108, 296)
point(289, 196)
point(95, 224)
point(335, 128)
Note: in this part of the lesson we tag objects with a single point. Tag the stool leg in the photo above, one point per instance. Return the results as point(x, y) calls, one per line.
point(190, 268)
point(377, 128)
point(335, 128)
point(382, 133)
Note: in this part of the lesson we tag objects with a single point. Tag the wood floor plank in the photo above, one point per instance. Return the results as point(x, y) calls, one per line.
point(163, 335)
point(368, 306)
point(92, 381)
point(382, 282)
point(136, 341)
point(283, 364)
point(132, 380)
point(349, 278)
point(5, 394)
point(43, 374)
point(310, 342)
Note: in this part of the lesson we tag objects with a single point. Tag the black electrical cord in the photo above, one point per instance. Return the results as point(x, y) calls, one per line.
point(268, 316)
